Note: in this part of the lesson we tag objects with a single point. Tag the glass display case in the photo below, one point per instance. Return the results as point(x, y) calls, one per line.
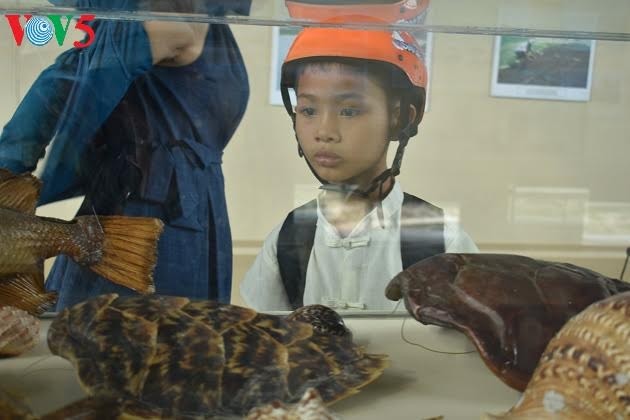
point(186, 113)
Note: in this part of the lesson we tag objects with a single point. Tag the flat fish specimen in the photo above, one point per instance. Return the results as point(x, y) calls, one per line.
point(584, 373)
point(119, 248)
point(510, 306)
point(169, 357)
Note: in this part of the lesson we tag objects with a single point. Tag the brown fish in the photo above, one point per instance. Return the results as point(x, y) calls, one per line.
point(119, 248)
point(510, 306)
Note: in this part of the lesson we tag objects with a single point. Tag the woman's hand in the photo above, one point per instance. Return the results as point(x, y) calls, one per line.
point(175, 43)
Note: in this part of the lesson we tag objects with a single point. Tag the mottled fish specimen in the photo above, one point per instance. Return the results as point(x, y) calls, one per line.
point(19, 331)
point(168, 357)
point(510, 306)
point(584, 373)
point(121, 249)
point(310, 407)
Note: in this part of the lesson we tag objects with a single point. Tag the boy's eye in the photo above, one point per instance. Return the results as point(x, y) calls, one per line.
point(350, 112)
point(307, 111)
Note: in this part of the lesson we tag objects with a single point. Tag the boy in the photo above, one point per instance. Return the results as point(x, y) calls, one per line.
point(356, 91)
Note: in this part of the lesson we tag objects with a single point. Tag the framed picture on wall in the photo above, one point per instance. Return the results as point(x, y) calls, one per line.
point(542, 68)
point(282, 39)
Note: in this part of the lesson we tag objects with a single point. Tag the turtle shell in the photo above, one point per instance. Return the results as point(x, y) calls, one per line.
point(177, 357)
point(510, 306)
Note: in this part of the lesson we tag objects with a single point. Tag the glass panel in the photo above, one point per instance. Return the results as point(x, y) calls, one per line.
point(174, 111)
point(575, 19)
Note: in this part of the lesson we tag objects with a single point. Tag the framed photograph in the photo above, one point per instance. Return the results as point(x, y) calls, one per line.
point(282, 39)
point(542, 68)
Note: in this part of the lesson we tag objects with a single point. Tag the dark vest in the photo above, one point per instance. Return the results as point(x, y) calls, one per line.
point(421, 236)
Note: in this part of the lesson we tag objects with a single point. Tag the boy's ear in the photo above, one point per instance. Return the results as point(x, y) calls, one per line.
point(395, 123)
point(412, 112)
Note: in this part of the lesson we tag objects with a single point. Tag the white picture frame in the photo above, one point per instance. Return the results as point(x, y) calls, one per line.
point(542, 68)
point(281, 40)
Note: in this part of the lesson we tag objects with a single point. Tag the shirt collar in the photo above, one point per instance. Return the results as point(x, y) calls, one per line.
point(390, 205)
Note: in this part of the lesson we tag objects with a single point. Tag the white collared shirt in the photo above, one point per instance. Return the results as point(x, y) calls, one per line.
point(343, 272)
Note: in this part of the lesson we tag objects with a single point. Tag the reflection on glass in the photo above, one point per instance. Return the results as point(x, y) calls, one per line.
point(607, 223)
point(524, 175)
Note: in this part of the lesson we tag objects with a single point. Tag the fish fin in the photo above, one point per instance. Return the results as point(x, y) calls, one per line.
point(26, 291)
point(19, 192)
point(129, 251)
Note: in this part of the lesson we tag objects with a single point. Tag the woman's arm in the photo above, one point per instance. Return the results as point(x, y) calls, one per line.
point(72, 98)
point(31, 128)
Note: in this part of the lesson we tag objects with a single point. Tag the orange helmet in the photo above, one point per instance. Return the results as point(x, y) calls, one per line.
point(398, 49)
point(391, 11)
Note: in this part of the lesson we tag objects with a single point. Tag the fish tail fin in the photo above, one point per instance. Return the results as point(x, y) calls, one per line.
point(129, 251)
point(26, 291)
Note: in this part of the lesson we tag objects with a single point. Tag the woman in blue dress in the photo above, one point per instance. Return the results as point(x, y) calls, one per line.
point(140, 119)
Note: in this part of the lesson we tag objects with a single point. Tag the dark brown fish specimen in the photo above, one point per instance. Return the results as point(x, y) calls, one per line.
point(510, 306)
point(121, 249)
point(168, 357)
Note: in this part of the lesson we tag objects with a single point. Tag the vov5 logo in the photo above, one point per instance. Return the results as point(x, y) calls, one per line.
point(39, 30)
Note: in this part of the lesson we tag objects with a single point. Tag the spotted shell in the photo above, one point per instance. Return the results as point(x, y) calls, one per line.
point(310, 407)
point(19, 331)
point(584, 372)
point(173, 357)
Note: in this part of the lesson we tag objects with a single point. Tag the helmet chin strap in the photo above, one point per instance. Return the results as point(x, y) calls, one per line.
point(353, 189)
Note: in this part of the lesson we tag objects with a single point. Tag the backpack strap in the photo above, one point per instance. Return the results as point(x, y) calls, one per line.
point(421, 230)
point(295, 242)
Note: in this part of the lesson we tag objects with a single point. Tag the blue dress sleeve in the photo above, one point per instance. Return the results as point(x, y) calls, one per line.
point(69, 101)
point(25, 136)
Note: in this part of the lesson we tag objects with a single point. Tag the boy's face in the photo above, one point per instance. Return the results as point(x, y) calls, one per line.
point(342, 123)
